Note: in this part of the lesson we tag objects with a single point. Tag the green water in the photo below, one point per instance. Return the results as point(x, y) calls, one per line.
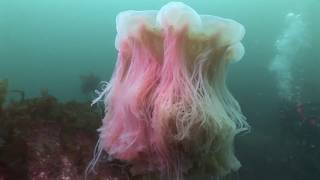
point(49, 44)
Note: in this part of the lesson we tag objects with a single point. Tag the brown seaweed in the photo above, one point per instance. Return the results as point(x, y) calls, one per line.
point(89, 83)
point(43, 138)
point(3, 91)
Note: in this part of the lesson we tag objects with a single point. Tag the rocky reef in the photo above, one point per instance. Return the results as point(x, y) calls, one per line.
point(3, 90)
point(42, 138)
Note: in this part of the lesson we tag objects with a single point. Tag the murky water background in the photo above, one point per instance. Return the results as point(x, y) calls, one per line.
point(50, 44)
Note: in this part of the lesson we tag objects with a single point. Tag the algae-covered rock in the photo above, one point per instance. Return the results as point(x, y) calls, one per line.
point(42, 138)
point(3, 90)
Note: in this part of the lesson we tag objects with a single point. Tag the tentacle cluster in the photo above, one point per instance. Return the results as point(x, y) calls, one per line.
point(168, 110)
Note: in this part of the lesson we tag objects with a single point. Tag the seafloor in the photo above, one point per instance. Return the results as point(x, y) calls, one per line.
point(44, 139)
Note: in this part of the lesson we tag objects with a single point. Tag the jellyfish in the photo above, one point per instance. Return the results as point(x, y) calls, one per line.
point(168, 111)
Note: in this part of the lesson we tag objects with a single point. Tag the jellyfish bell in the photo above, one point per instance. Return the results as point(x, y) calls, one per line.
point(128, 23)
point(178, 15)
point(168, 110)
point(235, 52)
